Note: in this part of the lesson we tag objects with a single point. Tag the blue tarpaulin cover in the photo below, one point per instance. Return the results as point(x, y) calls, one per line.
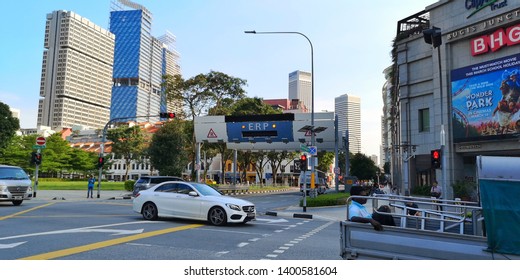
point(501, 207)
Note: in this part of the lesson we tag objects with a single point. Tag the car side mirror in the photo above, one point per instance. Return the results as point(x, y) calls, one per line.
point(193, 193)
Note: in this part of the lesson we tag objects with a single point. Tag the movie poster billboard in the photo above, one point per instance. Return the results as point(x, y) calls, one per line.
point(486, 100)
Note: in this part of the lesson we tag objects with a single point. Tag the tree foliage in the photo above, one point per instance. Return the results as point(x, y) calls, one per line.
point(8, 125)
point(128, 143)
point(167, 151)
point(363, 167)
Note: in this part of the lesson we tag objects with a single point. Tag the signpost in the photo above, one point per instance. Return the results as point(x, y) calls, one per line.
point(40, 144)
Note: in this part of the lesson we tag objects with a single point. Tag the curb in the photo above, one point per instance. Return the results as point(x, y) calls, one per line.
point(294, 215)
point(253, 192)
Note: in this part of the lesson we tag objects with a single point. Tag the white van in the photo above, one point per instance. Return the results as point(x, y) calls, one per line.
point(15, 185)
point(319, 182)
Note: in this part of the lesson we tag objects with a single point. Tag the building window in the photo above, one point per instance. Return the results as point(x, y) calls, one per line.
point(424, 120)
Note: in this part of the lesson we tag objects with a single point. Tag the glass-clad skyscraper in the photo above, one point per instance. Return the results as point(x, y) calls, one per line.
point(139, 64)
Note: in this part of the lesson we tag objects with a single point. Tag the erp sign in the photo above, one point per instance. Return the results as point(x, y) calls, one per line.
point(260, 129)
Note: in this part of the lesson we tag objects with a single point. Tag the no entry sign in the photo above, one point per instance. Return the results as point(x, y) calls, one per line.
point(40, 141)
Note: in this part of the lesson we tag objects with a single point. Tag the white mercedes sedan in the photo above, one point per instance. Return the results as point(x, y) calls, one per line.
point(189, 200)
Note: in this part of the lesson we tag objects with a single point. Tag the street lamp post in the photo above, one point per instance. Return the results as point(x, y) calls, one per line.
point(313, 137)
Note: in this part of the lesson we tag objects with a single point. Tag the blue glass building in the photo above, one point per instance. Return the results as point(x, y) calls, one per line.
point(139, 65)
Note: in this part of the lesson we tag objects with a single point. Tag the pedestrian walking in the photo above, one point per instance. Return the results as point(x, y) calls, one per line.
point(90, 190)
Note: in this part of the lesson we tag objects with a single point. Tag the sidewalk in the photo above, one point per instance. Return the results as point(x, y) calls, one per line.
point(333, 213)
point(78, 195)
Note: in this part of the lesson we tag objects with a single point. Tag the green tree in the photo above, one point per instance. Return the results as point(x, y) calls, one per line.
point(18, 152)
point(325, 159)
point(363, 167)
point(224, 88)
point(201, 93)
point(8, 125)
point(128, 143)
point(82, 161)
point(260, 161)
point(275, 161)
point(209, 151)
point(252, 106)
point(167, 151)
point(56, 156)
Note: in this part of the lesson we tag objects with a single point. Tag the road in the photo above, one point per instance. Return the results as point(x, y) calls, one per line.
point(109, 230)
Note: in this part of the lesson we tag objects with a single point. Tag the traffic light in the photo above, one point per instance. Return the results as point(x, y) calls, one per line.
point(36, 158)
point(303, 163)
point(436, 158)
point(101, 162)
point(167, 115)
point(432, 36)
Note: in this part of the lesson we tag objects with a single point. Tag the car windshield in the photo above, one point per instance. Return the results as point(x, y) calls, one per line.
point(206, 190)
point(12, 174)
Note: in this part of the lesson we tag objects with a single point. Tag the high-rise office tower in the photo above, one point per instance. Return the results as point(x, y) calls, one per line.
point(300, 87)
point(140, 61)
point(76, 76)
point(348, 109)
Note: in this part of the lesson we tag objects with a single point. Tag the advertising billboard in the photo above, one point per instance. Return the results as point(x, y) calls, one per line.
point(485, 100)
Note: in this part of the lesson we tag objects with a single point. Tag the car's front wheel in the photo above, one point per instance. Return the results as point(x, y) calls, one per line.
point(217, 216)
point(149, 211)
point(17, 202)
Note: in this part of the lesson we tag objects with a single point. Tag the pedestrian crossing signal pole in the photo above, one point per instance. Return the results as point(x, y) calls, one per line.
point(304, 168)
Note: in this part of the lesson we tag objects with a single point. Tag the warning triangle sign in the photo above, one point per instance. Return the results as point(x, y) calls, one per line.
point(211, 133)
point(309, 133)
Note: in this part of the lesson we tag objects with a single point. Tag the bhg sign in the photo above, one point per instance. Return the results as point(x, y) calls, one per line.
point(493, 42)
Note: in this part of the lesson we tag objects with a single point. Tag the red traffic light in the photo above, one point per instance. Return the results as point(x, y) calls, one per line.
point(167, 115)
point(303, 157)
point(101, 162)
point(436, 158)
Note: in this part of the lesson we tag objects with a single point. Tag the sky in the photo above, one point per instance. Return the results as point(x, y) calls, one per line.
point(351, 46)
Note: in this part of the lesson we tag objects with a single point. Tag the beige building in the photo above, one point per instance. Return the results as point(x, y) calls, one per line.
point(76, 80)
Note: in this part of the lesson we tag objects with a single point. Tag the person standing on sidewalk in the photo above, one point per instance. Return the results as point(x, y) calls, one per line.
point(436, 193)
point(90, 190)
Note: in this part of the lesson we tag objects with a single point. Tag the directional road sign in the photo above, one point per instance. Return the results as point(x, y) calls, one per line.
point(304, 148)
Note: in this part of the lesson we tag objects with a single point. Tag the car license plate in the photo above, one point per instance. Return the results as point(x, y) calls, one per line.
point(250, 215)
point(18, 197)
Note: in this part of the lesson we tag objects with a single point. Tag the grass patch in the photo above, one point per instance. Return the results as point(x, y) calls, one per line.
point(78, 185)
point(328, 199)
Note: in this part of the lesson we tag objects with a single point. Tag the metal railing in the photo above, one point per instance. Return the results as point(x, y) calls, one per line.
point(439, 215)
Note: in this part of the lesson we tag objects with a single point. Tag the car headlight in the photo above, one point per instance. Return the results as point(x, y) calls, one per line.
point(29, 190)
point(3, 188)
point(233, 206)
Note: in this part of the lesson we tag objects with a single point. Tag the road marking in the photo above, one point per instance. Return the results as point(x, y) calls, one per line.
point(219, 254)
point(25, 211)
point(270, 221)
point(11, 245)
point(103, 244)
point(278, 251)
point(77, 230)
point(242, 244)
point(271, 256)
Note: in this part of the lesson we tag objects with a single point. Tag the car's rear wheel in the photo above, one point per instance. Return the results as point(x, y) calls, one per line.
point(17, 202)
point(149, 211)
point(217, 216)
